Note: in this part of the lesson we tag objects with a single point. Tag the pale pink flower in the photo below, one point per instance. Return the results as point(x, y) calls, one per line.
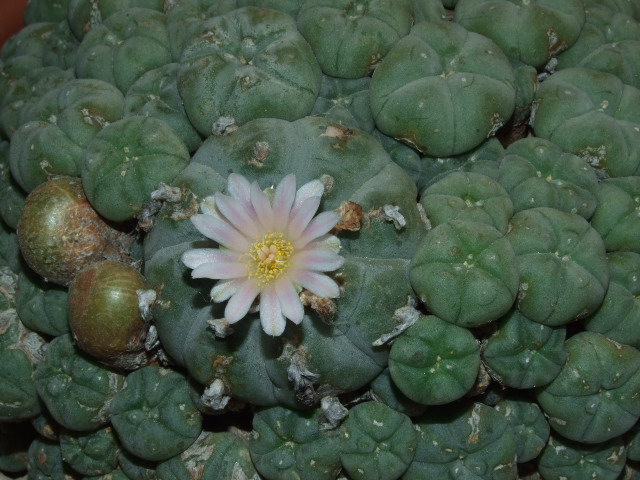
point(271, 246)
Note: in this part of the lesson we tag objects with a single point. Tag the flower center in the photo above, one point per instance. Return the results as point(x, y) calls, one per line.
point(269, 257)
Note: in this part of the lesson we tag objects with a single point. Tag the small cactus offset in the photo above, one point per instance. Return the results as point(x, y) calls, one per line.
point(320, 240)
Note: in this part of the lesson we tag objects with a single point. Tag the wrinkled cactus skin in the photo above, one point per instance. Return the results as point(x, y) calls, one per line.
point(320, 240)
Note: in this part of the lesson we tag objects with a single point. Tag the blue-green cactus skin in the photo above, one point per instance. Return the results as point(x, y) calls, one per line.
point(587, 112)
point(562, 264)
point(76, 389)
point(272, 74)
point(441, 80)
point(593, 399)
point(465, 272)
point(91, 454)
point(531, 32)
point(288, 444)
point(464, 440)
point(154, 415)
point(212, 455)
point(619, 314)
point(529, 423)
point(125, 45)
point(126, 161)
point(568, 459)
point(524, 354)
point(377, 443)
point(434, 362)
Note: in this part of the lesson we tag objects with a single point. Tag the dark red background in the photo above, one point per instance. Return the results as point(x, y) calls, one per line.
point(11, 19)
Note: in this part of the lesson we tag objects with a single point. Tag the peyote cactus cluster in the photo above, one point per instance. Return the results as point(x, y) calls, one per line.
point(321, 239)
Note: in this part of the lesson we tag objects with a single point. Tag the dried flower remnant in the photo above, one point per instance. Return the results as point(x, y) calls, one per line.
point(272, 245)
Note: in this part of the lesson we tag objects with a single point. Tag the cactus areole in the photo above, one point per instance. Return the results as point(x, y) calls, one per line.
point(271, 246)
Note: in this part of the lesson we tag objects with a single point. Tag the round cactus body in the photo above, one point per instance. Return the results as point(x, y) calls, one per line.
point(593, 399)
point(92, 453)
point(60, 233)
point(105, 316)
point(474, 264)
point(569, 459)
point(350, 38)
point(439, 81)
point(124, 46)
point(127, 161)
point(587, 112)
point(154, 414)
point(32, 168)
point(45, 459)
point(562, 263)
point(20, 352)
point(84, 15)
point(532, 32)
point(434, 362)
point(530, 426)
point(463, 439)
point(467, 196)
point(27, 81)
point(524, 354)
point(609, 41)
point(67, 117)
point(380, 221)
point(41, 306)
point(537, 173)
point(288, 444)
point(33, 40)
point(616, 217)
point(619, 314)
point(255, 62)
point(155, 94)
point(372, 427)
point(213, 454)
point(76, 389)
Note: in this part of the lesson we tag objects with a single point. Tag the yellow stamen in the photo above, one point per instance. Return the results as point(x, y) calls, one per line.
point(269, 257)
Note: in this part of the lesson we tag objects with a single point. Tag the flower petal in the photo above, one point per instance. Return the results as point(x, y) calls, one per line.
point(299, 220)
point(321, 224)
point(239, 188)
point(289, 300)
point(208, 206)
point(317, 283)
point(220, 270)
point(239, 304)
point(319, 260)
point(197, 256)
point(325, 242)
point(224, 289)
point(221, 231)
point(273, 323)
point(314, 188)
point(283, 200)
point(237, 215)
point(262, 206)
